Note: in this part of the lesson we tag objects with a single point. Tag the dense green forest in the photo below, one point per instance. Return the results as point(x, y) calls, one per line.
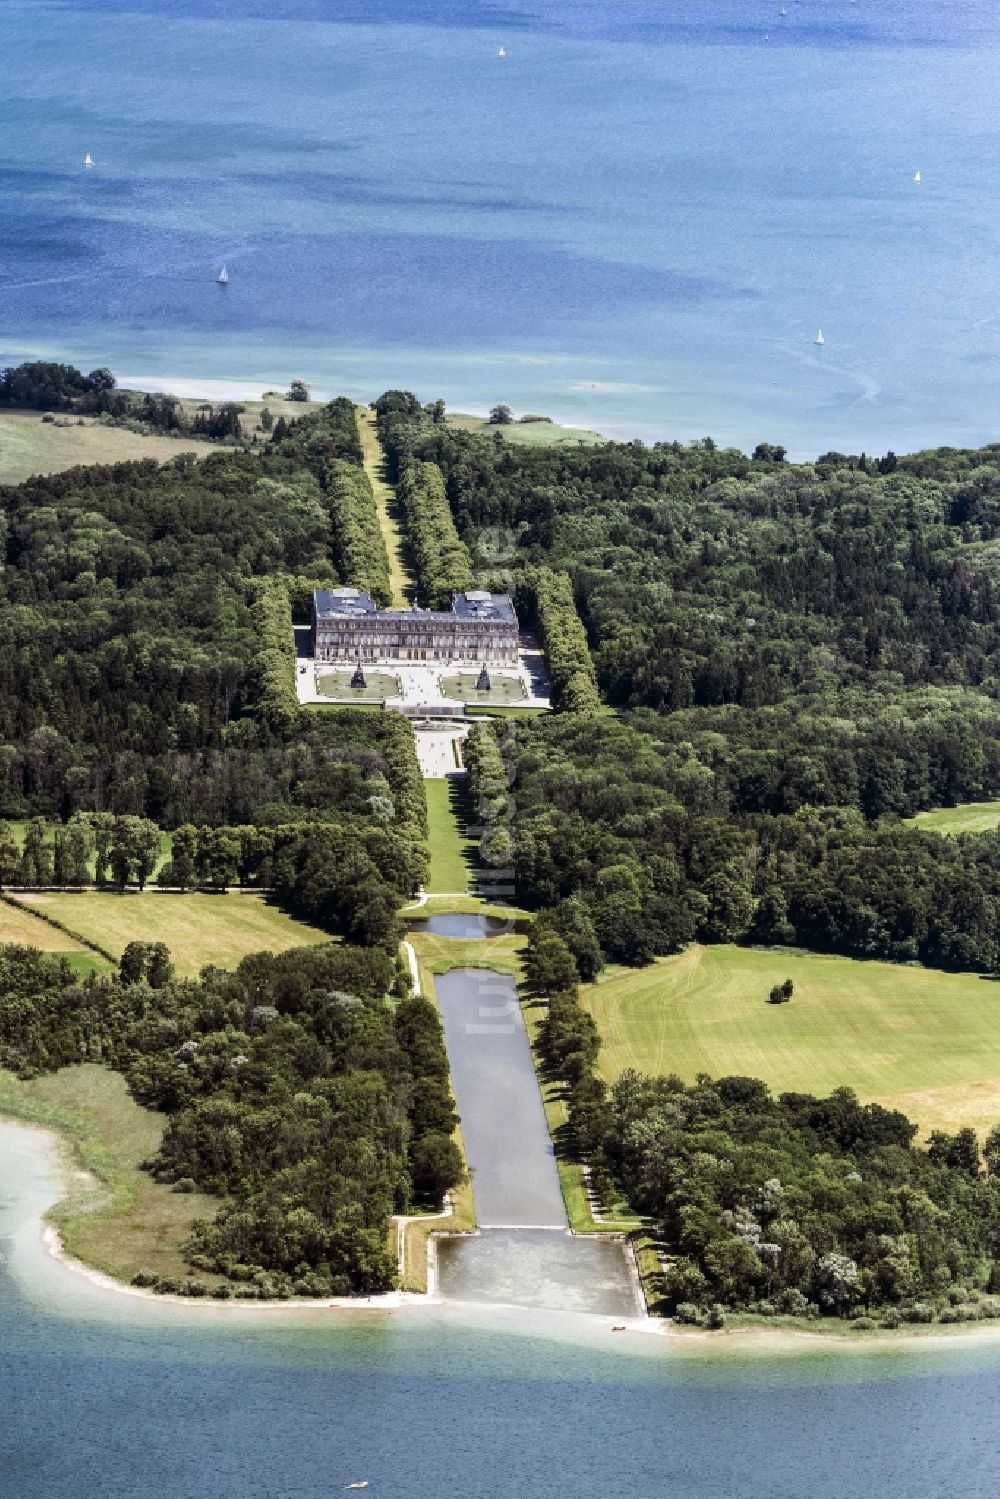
point(800, 655)
point(295, 1091)
point(758, 671)
point(149, 683)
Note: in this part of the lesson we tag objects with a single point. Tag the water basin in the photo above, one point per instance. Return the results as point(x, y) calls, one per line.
point(468, 927)
point(514, 1176)
point(548, 1270)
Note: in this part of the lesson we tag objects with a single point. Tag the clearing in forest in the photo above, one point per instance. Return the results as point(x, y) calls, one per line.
point(390, 514)
point(197, 928)
point(911, 1038)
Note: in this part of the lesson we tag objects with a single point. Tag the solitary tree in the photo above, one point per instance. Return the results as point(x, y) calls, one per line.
point(298, 391)
point(501, 416)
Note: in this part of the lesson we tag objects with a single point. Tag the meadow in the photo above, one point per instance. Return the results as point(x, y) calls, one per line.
point(969, 817)
point(116, 1217)
point(914, 1039)
point(197, 928)
point(30, 446)
point(527, 434)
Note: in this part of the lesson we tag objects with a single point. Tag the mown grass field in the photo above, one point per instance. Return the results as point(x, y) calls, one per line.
point(123, 1221)
point(924, 1042)
point(970, 817)
point(450, 846)
point(198, 929)
point(20, 926)
point(30, 446)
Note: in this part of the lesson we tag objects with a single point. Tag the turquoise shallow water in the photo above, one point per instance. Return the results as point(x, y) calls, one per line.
point(637, 219)
point(104, 1395)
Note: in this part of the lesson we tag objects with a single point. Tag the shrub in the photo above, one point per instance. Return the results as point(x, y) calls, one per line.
point(917, 1311)
point(688, 1314)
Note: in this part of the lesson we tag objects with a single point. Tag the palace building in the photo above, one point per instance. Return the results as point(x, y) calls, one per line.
point(347, 625)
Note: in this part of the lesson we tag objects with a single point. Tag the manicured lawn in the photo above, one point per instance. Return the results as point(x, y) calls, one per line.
point(970, 817)
point(447, 838)
point(390, 512)
point(924, 1042)
point(198, 929)
point(379, 686)
point(462, 687)
point(124, 1221)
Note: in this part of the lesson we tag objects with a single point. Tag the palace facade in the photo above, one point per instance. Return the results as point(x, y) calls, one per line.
point(347, 625)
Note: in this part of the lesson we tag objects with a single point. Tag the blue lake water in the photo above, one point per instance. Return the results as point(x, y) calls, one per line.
point(636, 220)
point(104, 1395)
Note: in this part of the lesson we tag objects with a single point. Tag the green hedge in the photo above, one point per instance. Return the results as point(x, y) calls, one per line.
point(276, 701)
point(358, 546)
point(441, 559)
point(574, 682)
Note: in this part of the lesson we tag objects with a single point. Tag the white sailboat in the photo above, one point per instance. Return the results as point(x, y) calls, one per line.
point(502, 52)
point(917, 177)
point(223, 277)
point(88, 160)
point(819, 339)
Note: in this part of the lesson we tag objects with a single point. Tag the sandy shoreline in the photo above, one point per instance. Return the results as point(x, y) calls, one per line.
point(760, 1339)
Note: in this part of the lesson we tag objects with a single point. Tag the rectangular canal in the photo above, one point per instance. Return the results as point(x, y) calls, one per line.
point(526, 1255)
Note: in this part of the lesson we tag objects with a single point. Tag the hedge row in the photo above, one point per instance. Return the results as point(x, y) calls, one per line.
point(574, 683)
point(488, 783)
point(276, 701)
point(358, 545)
point(60, 926)
point(440, 558)
point(398, 749)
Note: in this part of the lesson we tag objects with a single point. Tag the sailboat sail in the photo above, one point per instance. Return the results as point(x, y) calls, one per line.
point(819, 336)
point(88, 160)
point(223, 277)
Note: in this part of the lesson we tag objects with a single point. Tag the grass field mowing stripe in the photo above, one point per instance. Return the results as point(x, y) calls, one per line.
point(912, 1038)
